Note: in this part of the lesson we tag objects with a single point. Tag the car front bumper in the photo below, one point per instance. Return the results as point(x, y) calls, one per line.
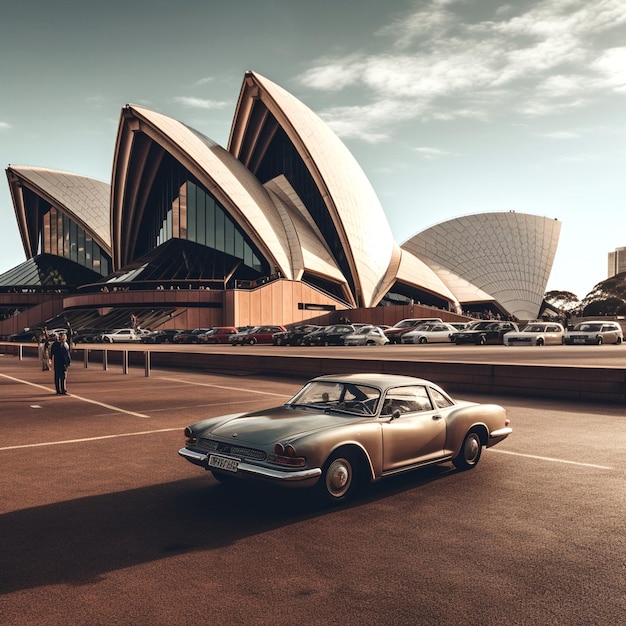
point(299, 478)
point(496, 436)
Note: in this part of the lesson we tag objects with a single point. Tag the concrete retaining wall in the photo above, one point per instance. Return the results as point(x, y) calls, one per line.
point(590, 384)
point(605, 385)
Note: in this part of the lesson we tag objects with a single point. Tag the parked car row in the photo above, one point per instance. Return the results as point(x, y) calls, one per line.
point(434, 330)
point(408, 331)
point(34, 334)
point(218, 334)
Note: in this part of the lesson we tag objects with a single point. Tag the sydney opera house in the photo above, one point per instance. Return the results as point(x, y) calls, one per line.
point(281, 226)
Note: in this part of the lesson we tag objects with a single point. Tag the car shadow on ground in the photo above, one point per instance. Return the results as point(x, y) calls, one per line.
point(77, 542)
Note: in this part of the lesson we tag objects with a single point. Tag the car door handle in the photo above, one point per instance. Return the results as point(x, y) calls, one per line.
point(436, 417)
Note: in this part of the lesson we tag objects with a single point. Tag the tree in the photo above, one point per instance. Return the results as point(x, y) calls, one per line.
point(603, 306)
point(562, 300)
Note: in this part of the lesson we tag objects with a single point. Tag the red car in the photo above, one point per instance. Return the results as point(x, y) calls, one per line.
point(256, 334)
point(217, 334)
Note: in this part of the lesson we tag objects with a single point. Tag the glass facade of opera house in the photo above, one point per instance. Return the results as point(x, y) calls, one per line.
point(280, 224)
point(63, 237)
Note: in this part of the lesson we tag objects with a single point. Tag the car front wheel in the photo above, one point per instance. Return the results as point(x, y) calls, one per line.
point(339, 480)
point(470, 452)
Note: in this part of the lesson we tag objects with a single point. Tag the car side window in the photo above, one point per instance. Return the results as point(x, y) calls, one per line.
point(410, 399)
point(441, 401)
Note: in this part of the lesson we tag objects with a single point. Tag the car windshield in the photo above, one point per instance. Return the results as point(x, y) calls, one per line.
point(589, 328)
point(534, 328)
point(349, 398)
point(480, 326)
point(406, 324)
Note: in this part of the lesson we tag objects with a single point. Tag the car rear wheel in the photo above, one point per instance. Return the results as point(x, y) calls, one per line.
point(470, 452)
point(252, 341)
point(599, 341)
point(540, 341)
point(482, 340)
point(339, 478)
point(423, 340)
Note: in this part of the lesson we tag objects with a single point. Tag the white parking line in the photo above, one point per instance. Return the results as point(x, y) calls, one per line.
point(550, 459)
point(61, 443)
point(73, 395)
point(188, 382)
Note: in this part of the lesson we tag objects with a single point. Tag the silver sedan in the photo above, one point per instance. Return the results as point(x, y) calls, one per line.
point(430, 333)
point(366, 336)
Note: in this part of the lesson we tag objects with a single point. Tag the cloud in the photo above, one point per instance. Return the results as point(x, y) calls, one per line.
point(611, 67)
point(563, 134)
point(431, 153)
point(528, 60)
point(334, 75)
point(199, 103)
point(369, 122)
point(204, 81)
point(5, 126)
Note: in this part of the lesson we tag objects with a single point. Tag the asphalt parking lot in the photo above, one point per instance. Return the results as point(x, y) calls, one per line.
point(101, 522)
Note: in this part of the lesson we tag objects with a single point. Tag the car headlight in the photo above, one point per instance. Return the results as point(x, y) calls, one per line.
point(286, 455)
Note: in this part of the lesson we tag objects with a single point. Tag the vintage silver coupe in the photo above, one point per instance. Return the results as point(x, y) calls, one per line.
point(339, 432)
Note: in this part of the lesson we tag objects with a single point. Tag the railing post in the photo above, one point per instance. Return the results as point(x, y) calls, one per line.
point(125, 362)
point(105, 360)
point(147, 363)
point(86, 357)
point(21, 352)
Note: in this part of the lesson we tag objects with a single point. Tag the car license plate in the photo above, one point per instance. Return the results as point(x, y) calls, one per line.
point(220, 462)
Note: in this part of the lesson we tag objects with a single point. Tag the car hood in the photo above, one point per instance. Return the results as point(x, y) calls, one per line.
point(277, 424)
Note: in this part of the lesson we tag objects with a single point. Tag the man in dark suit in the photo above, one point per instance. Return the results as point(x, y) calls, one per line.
point(61, 360)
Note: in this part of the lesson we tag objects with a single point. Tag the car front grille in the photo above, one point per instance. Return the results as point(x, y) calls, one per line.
point(225, 448)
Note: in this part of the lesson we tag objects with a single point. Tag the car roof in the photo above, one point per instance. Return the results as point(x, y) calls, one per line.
point(383, 381)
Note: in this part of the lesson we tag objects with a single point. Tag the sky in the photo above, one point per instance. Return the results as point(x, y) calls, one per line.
point(451, 107)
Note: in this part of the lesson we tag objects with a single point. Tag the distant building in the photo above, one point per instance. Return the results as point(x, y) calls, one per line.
point(617, 262)
point(278, 225)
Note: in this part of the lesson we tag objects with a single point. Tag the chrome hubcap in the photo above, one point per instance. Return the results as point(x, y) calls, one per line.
point(338, 477)
point(472, 447)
